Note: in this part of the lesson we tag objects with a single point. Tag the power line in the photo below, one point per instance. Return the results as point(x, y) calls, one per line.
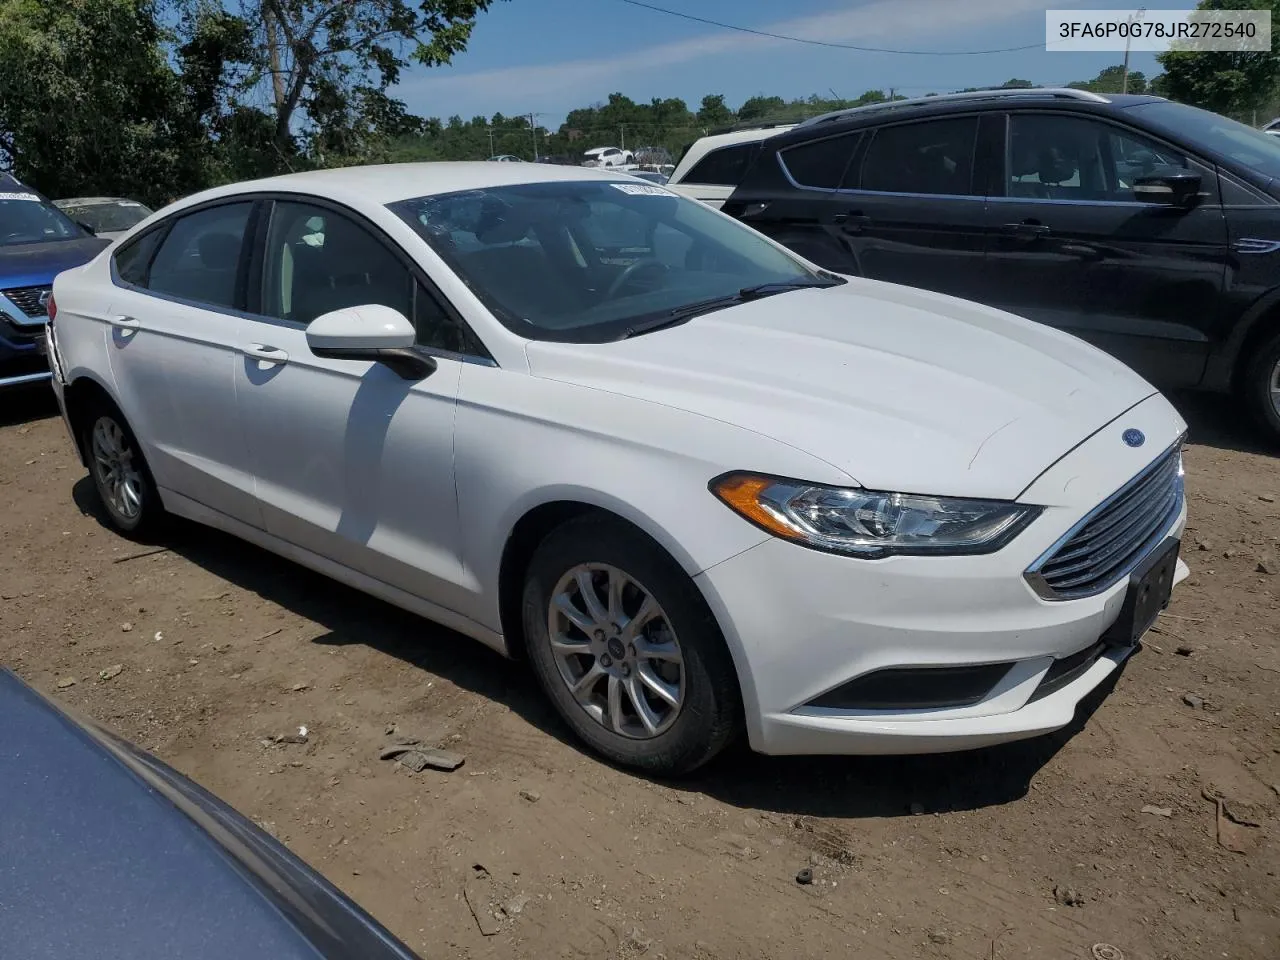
point(826, 43)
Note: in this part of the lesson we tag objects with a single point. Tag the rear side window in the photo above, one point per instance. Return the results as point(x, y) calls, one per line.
point(200, 257)
point(820, 163)
point(931, 157)
point(134, 258)
point(724, 167)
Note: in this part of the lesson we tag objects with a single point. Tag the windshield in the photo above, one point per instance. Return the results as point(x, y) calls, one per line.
point(1247, 146)
point(586, 261)
point(25, 218)
point(110, 217)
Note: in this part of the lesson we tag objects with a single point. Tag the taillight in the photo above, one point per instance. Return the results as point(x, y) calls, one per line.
point(51, 307)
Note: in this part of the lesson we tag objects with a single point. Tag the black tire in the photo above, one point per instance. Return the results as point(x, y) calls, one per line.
point(710, 714)
point(148, 517)
point(1259, 378)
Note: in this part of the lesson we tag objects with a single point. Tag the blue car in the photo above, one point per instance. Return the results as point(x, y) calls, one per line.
point(37, 242)
point(107, 853)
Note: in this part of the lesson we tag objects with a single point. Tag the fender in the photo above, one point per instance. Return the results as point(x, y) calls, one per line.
point(1221, 368)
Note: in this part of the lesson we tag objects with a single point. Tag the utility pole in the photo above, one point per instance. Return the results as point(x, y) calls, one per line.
point(533, 129)
point(1124, 82)
point(491, 153)
point(622, 135)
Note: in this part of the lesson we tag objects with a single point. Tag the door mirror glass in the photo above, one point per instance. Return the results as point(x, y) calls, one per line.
point(1175, 189)
point(369, 332)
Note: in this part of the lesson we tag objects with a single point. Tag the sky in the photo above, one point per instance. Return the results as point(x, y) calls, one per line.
point(550, 56)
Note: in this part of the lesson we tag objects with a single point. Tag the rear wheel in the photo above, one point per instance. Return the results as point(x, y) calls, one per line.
point(626, 649)
point(1262, 387)
point(119, 470)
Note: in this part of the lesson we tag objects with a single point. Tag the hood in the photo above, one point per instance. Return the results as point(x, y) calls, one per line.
point(901, 389)
point(36, 264)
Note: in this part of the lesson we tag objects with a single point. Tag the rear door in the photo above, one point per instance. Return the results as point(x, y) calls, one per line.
point(1076, 249)
point(175, 322)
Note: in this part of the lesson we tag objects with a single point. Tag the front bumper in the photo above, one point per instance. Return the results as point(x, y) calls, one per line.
point(801, 623)
point(22, 350)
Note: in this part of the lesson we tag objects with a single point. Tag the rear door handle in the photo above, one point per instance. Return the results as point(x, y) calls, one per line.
point(261, 351)
point(1026, 229)
point(852, 222)
point(124, 323)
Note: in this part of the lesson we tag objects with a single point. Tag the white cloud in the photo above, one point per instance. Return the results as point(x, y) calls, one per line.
point(893, 24)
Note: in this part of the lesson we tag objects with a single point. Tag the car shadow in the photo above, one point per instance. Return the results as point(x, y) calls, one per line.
point(28, 403)
point(797, 786)
point(1221, 421)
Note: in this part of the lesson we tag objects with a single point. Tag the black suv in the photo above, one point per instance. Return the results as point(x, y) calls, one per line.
point(1150, 228)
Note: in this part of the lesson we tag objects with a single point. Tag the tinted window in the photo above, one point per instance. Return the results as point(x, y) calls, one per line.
point(1211, 131)
point(934, 157)
point(318, 260)
point(820, 163)
point(584, 260)
point(724, 167)
point(200, 257)
point(134, 257)
point(1073, 158)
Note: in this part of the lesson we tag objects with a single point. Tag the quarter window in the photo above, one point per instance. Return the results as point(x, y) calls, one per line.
point(820, 163)
point(199, 258)
point(724, 167)
point(932, 157)
point(134, 258)
point(1074, 158)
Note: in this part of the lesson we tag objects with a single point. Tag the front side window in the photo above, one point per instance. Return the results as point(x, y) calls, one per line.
point(585, 261)
point(1062, 157)
point(199, 258)
point(318, 260)
point(1211, 131)
point(929, 157)
point(724, 167)
point(26, 218)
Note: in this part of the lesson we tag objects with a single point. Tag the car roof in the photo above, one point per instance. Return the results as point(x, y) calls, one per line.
point(390, 182)
point(92, 201)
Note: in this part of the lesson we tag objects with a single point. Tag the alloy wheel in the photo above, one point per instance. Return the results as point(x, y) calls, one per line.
point(616, 651)
point(1273, 387)
point(113, 461)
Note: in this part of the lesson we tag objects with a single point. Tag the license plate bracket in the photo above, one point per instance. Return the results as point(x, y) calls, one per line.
point(1150, 589)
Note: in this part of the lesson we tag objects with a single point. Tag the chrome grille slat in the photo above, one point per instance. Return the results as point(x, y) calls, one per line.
point(1106, 545)
point(27, 299)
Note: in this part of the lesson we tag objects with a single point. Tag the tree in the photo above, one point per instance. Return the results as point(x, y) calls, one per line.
point(757, 108)
point(332, 61)
point(1112, 80)
point(713, 112)
point(1225, 82)
point(89, 101)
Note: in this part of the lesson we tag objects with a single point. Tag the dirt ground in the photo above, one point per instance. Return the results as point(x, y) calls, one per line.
point(1037, 850)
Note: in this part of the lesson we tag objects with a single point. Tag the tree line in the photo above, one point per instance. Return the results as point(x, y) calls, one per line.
point(155, 99)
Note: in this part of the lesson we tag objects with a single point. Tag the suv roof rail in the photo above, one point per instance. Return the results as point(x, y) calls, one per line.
point(1052, 93)
point(752, 125)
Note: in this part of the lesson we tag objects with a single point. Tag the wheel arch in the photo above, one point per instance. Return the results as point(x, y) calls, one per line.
point(78, 398)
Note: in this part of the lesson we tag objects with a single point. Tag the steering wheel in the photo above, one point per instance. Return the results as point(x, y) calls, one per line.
point(633, 270)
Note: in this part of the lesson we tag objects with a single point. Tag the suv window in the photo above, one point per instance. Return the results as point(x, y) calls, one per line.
point(199, 257)
point(318, 260)
point(1074, 158)
point(820, 163)
point(724, 167)
point(932, 157)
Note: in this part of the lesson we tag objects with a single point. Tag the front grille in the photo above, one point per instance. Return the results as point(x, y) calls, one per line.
point(27, 299)
point(1107, 544)
point(19, 333)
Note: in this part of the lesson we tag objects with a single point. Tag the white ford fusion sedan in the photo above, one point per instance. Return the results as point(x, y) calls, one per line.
point(701, 485)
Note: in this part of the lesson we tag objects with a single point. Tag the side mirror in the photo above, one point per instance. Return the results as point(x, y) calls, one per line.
point(371, 332)
point(1174, 190)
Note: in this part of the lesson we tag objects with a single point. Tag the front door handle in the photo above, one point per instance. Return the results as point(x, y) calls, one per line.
point(1027, 229)
point(124, 323)
point(852, 222)
point(268, 354)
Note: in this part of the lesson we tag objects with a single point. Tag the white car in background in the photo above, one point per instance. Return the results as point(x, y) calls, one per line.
point(607, 157)
point(700, 484)
point(713, 166)
point(107, 217)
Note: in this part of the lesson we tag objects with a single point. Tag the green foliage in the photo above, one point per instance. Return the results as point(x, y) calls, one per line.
point(1112, 80)
point(1234, 84)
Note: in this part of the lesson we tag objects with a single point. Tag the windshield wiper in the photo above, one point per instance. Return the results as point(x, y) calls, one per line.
point(690, 310)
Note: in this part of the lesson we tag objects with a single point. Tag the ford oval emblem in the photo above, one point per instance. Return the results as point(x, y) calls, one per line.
point(1134, 438)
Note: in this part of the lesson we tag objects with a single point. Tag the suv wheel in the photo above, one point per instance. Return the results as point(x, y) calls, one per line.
point(625, 647)
point(1262, 386)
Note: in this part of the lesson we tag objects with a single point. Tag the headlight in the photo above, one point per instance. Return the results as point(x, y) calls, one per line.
point(868, 523)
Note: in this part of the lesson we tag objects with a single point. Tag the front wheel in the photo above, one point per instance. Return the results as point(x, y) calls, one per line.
point(625, 647)
point(1262, 387)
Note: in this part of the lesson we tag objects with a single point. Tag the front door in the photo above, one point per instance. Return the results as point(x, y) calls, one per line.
point(1073, 246)
point(352, 462)
point(175, 323)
